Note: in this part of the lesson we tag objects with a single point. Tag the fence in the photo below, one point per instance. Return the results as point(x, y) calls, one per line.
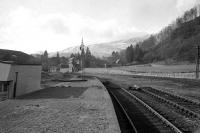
point(170, 75)
point(188, 75)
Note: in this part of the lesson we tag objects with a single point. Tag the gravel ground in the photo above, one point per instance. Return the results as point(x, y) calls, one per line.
point(83, 107)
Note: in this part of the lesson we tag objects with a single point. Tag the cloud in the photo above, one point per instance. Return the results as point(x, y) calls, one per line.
point(183, 5)
point(101, 31)
point(55, 25)
point(58, 26)
point(30, 31)
point(24, 32)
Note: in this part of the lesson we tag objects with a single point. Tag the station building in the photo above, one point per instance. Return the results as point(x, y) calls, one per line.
point(18, 79)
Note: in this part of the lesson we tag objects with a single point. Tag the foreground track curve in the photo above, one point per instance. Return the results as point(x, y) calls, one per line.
point(126, 124)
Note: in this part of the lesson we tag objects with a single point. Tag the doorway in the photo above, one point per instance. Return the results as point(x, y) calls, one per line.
point(4, 89)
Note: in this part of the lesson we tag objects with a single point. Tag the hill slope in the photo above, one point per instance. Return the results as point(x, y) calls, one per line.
point(179, 44)
point(17, 57)
point(103, 49)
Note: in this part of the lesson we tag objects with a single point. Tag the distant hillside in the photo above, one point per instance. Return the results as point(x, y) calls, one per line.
point(17, 57)
point(176, 42)
point(103, 49)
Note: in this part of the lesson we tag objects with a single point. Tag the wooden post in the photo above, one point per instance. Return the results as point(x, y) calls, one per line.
point(15, 85)
point(197, 62)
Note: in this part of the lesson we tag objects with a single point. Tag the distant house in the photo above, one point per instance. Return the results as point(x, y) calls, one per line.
point(53, 64)
point(71, 66)
point(64, 67)
point(18, 79)
point(52, 68)
point(64, 70)
point(115, 63)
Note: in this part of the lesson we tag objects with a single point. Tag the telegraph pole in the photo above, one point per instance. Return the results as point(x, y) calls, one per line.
point(82, 56)
point(197, 62)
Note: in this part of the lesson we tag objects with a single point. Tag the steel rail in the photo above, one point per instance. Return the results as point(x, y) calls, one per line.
point(168, 123)
point(178, 96)
point(179, 107)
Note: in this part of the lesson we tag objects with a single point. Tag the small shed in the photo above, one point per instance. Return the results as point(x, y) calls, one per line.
point(18, 79)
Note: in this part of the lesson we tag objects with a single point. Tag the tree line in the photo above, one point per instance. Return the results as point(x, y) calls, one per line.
point(88, 60)
point(132, 54)
point(174, 42)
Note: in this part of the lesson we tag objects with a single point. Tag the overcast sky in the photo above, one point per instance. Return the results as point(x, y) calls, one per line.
point(37, 25)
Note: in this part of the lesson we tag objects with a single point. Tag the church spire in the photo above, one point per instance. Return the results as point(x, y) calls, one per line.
point(82, 45)
point(82, 41)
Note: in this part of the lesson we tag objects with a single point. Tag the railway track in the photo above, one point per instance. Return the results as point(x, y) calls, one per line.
point(125, 122)
point(144, 118)
point(182, 117)
point(190, 106)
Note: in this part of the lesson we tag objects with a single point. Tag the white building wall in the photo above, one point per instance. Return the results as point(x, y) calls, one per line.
point(64, 70)
point(29, 78)
point(70, 67)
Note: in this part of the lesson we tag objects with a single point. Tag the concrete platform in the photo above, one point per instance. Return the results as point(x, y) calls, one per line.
point(64, 107)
